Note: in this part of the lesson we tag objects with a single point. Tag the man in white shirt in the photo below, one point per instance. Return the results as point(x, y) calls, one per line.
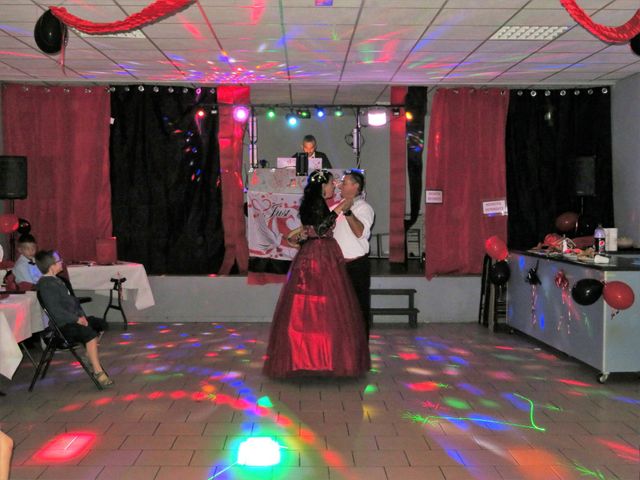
point(352, 232)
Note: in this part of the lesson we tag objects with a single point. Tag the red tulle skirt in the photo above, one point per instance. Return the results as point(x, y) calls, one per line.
point(317, 327)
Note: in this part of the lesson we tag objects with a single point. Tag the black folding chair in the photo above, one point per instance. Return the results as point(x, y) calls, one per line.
point(56, 340)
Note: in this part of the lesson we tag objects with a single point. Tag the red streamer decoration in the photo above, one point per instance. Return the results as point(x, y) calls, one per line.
point(151, 13)
point(561, 280)
point(620, 34)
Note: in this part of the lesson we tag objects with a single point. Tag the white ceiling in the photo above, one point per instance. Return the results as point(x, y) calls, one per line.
point(293, 52)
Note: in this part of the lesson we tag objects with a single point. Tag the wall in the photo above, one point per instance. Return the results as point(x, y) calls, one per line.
point(626, 156)
point(230, 299)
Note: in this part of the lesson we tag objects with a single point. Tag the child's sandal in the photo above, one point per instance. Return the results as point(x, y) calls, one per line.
point(103, 379)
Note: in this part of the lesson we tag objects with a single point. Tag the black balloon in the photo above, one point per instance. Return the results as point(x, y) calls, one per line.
point(587, 291)
point(635, 44)
point(50, 33)
point(499, 273)
point(586, 225)
point(24, 227)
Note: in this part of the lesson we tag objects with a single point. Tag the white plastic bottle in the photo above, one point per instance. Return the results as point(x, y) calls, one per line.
point(599, 243)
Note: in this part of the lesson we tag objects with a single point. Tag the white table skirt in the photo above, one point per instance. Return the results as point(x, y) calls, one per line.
point(20, 317)
point(98, 278)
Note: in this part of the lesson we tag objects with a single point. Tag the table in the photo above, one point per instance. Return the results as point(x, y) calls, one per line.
point(20, 317)
point(98, 278)
point(592, 334)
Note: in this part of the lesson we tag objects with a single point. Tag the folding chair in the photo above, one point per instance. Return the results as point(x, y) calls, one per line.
point(57, 341)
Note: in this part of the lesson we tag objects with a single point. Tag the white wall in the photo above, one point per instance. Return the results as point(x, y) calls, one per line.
point(625, 110)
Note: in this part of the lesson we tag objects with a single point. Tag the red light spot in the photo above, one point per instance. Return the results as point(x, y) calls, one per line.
point(178, 394)
point(65, 447)
point(575, 383)
point(501, 347)
point(409, 356)
point(151, 356)
point(130, 397)
point(211, 354)
point(155, 395)
point(423, 386)
point(102, 401)
point(72, 407)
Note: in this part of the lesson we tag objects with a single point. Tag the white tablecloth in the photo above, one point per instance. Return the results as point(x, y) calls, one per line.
point(20, 317)
point(98, 278)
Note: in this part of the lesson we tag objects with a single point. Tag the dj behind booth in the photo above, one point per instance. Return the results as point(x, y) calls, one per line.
point(309, 144)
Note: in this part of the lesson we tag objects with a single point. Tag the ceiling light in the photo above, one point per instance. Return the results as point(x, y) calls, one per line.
point(395, 111)
point(377, 117)
point(409, 116)
point(291, 118)
point(240, 114)
point(320, 112)
point(528, 32)
point(338, 112)
point(304, 113)
point(271, 113)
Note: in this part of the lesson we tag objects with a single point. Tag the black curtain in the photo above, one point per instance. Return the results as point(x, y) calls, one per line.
point(416, 103)
point(547, 133)
point(165, 181)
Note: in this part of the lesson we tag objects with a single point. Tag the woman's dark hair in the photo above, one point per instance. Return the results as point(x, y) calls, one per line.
point(313, 208)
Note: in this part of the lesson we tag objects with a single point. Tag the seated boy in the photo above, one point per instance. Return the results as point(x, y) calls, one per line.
point(25, 270)
point(68, 313)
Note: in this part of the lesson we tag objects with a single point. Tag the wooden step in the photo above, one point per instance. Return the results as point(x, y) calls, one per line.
point(393, 291)
point(411, 312)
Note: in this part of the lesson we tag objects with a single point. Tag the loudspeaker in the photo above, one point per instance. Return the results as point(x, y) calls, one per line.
point(13, 177)
point(585, 179)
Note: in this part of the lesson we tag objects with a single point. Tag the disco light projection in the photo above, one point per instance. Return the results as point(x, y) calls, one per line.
point(434, 419)
point(255, 452)
point(65, 447)
point(585, 472)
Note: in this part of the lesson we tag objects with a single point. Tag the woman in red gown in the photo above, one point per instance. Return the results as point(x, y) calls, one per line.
point(317, 326)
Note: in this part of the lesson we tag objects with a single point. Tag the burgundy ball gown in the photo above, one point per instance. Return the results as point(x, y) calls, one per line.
point(317, 326)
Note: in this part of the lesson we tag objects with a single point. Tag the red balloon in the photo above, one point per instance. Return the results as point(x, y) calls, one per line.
point(618, 295)
point(496, 248)
point(8, 223)
point(567, 222)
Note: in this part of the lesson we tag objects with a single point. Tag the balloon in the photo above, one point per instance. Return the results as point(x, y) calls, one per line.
point(587, 291)
point(24, 227)
point(586, 226)
point(50, 33)
point(496, 248)
point(8, 223)
point(567, 222)
point(635, 44)
point(618, 295)
point(499, 273)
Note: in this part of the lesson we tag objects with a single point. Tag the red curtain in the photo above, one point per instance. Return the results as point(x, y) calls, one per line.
point(466, 160)
point(230, 138)
point(397, 178)
point(64, 133)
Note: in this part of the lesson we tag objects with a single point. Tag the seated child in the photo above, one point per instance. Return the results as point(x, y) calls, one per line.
point(25, 270)
point(68, 313)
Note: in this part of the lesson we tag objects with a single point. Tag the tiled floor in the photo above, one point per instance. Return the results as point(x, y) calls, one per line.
point(442, 402)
